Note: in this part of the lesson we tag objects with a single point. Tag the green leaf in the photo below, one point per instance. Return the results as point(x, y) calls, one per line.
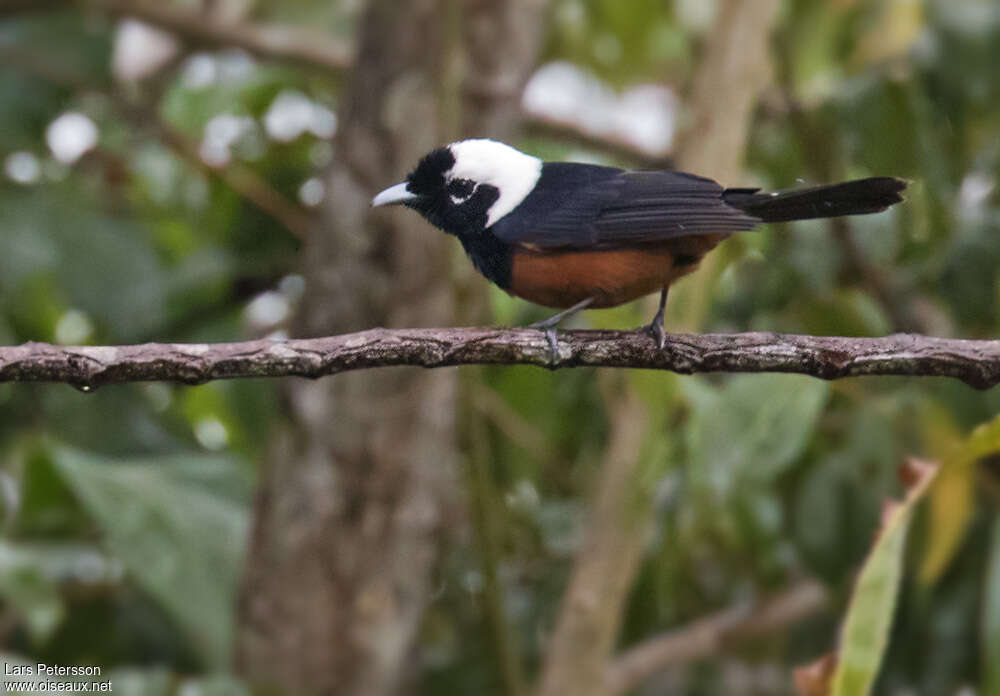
point(57, 245)
point(181, 542)
point(76, 563)
point(34, 598)
point(869, 616)
point(952, 500)
point(991, 619)
point(754, 427)
point(47, 508)
point(30, 574)
point(984, 440)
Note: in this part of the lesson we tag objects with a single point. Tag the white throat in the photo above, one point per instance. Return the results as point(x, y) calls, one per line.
point(512, 172)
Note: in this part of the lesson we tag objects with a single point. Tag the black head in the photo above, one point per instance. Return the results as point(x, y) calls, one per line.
point(466, 187)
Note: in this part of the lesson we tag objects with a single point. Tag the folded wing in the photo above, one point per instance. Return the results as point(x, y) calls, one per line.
point(586, 206)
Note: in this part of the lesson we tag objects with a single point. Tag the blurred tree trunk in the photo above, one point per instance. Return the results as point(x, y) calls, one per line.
point(502, 41)
point(736, 67)
point(733, 72)
point(359, 485)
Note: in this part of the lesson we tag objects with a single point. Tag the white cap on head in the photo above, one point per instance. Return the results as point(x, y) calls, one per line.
point(491, 162)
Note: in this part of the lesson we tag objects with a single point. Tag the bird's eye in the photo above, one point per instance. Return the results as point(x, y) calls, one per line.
point(460, 189)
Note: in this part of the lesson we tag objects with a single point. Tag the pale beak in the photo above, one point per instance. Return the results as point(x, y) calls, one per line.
point(395, 195)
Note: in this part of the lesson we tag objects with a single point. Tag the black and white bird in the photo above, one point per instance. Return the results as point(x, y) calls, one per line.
point(572, 236)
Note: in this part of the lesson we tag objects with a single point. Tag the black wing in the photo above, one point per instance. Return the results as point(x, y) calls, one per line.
point(586, 206)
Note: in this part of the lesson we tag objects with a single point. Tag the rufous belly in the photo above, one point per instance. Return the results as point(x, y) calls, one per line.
point(611, 277)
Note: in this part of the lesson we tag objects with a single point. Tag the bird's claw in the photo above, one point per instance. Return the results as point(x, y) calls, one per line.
point(550, 336)
point(657, 333)
point(548, 328)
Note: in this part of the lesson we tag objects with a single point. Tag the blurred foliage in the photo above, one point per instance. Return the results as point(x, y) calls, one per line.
point(125, 512)
point(873, 602)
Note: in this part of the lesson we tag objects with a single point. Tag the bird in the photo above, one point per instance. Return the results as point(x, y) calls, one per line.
point(573, 236)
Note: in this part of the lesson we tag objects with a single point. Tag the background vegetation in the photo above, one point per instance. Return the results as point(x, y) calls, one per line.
point(126, 512)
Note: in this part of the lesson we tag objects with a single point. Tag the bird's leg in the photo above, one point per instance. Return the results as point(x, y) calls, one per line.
point(549, 325)
point(655, 327)
point(557, 319)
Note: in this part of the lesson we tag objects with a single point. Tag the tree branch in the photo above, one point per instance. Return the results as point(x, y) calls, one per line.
point(243, 180)
point(707, 636)
point(577, 134)
point(977, 363)
point(295, 45)
point(302, 47)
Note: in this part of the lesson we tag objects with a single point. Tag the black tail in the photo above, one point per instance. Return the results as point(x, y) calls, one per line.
point(848, 198)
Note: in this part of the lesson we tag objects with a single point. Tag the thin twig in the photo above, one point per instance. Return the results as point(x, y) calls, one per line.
point(584, 634)
point(485, 509)
point(302, 47)
point(512, 424)
point(292, 44)
point(243, 180)
point(706, 637)
point(977, 363)
point(616, 146)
